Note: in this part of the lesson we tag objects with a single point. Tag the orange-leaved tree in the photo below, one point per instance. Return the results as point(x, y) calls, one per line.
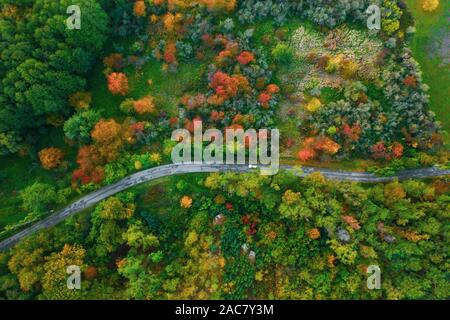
point(139, 8)
point(51, 157)
point(105, 131)
point(145, 105)
point(245, 57)
point(312, 146)
point(186, 202)
point(107, 135)
point(118, 83)
point(215, 5)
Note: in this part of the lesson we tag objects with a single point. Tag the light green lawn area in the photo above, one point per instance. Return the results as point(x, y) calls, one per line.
point(102, 99)
point(433, 27)
point(168, 88)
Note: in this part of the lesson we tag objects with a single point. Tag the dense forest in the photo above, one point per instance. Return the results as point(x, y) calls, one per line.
point(82, 109)
point(230, 236)
point(42, 63)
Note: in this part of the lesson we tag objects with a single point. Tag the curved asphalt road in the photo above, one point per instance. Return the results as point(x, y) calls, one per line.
point(176, 169)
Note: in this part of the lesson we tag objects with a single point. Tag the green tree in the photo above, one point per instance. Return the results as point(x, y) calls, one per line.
point(41, 71)
point(40, 197)
point(79, 126)
point(137, 237)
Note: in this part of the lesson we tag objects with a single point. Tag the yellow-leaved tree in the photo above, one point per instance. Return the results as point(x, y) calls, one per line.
point(430, 5)
point(54, 280)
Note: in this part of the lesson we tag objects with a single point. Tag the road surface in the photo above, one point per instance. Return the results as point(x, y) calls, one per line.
point(176, 169)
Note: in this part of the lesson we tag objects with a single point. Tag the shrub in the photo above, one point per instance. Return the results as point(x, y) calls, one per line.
point(118, 83)
point(127, 106)
point(139, 8)
point(186, 202)
point(282, 53)
point(313, 105)
point(145, 105)
point(80, 100)
point(245, 57)
point(429, 5)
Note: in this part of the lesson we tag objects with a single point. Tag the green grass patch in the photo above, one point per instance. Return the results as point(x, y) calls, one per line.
point(433, 27)
point(328, 94)
point(167, 88)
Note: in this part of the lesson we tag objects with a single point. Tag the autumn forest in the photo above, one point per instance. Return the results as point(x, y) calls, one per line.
point(364, 149)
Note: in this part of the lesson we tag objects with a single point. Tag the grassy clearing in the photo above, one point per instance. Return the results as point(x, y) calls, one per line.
point(433, 27)
point(167, 88)
point(102, 99)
